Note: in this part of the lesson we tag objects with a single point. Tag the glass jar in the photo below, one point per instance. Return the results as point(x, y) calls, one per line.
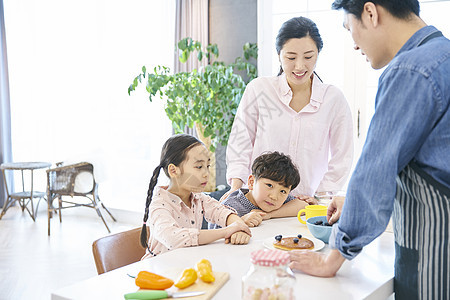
point(269, 276)
point(324, 198)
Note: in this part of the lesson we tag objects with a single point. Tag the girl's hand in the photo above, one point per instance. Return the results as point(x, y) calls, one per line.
point(315, 263)
point(253, 218)
point(236, 227)
point(307, 199)
point(238, 238)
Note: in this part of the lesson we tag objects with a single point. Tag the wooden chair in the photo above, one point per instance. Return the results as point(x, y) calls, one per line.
point(62, 183)
point(117, 250)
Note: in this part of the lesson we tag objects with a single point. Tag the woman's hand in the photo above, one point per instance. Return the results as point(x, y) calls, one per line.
point(236, 184)
point(253, 218)
point(315, 263)
point(307, 199)
point(335, 209)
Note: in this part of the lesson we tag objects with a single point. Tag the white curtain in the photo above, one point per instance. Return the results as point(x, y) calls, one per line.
point(5, 114)
point(192, 17)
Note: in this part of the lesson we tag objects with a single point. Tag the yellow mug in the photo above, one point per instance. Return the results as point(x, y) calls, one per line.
point(312, 211)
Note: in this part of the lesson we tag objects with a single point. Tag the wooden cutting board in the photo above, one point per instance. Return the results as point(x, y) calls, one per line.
point(209, 288)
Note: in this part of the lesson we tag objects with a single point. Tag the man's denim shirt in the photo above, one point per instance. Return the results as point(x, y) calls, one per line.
point(411, 122)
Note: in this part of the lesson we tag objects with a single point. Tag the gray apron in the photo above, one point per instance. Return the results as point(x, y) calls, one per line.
point(422, 231)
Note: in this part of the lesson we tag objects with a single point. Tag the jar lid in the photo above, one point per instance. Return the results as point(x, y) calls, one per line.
point(269, 258)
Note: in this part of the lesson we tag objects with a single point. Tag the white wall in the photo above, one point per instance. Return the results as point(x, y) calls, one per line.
point(70, 63)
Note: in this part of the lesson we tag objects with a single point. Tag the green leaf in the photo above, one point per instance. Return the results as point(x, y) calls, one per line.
point(183, 44)
point(200, 55)
point(207, 131)
point(215, 50)
point(144, 70)
point(183, 56)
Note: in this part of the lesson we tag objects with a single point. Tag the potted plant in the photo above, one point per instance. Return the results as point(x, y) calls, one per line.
point(206, 99)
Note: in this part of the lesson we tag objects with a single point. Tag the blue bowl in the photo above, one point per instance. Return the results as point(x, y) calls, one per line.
point(319, 231)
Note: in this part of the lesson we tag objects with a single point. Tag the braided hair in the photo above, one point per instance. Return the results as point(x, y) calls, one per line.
point(174, 151)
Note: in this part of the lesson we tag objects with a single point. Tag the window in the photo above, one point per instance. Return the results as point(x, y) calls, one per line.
point(70, 64)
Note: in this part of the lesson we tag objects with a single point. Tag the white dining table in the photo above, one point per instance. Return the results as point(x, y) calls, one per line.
point(368, 276)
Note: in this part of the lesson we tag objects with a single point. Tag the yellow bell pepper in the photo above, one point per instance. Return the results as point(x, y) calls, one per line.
point(204, 270)
point(187, 278)
point(152, 281)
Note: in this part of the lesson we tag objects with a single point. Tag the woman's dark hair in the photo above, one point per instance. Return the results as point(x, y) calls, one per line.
point(401, 9)
point(297, 28)
point(277, 167)
point(174, 151)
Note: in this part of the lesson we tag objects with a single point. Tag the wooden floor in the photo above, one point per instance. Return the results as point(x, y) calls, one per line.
point(33, 264)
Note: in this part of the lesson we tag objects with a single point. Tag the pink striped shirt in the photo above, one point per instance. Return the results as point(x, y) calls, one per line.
point(174, 225)
point(319, 138)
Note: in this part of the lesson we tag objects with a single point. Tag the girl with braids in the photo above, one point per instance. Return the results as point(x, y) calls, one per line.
point(175, 212)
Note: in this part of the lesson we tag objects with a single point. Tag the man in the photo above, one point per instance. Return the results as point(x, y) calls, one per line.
point(404, 167)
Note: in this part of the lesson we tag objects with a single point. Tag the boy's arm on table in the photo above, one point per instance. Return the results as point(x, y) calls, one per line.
point(254, 218)
point(289, 209)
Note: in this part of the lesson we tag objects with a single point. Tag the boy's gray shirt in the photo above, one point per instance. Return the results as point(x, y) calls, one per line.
point(241, 204)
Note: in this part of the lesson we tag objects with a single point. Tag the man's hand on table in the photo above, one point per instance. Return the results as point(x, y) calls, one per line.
point(316, 263)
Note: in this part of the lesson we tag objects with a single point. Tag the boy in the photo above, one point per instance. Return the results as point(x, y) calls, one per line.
point(273, 176)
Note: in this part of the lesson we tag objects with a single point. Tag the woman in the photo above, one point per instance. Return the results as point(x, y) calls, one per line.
point(294, 113)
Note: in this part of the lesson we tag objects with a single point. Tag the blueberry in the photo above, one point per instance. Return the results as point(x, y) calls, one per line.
point(318, 222)
point(295, 240)
point(278, 237)
point(326, 224)
point(299, 236)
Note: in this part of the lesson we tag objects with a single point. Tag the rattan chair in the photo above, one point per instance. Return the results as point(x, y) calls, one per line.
point(117, 250)
point(62, 183)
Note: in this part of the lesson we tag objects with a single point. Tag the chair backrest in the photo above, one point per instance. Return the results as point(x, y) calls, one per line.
point(117, 250)
point(62, 180)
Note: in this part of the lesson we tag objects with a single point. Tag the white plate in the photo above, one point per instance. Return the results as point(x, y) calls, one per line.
point(318, 244)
